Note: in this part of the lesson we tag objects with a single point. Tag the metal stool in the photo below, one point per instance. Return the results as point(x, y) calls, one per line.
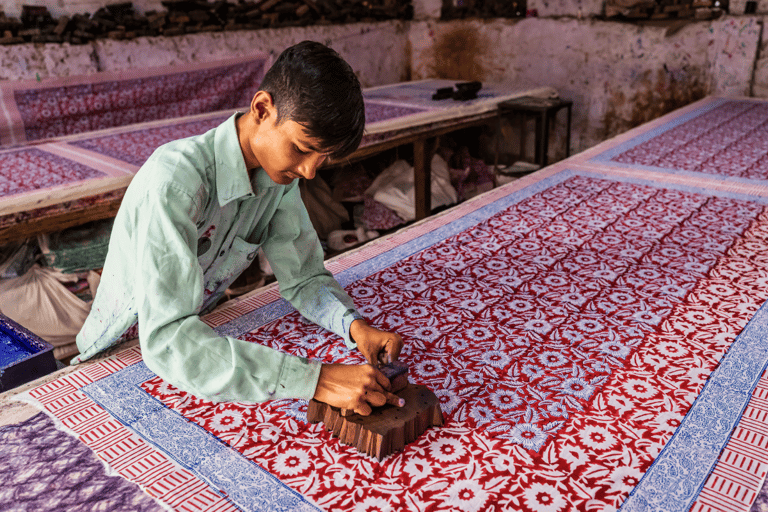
point(544, 111)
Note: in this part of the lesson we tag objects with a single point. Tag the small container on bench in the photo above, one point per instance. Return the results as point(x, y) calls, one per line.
point(23, 355)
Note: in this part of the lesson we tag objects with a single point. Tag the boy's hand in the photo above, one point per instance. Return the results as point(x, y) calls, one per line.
point(378, 347)
point(355, 387)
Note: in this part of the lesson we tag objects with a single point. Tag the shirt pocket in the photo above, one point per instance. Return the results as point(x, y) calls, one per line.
point(225, 269)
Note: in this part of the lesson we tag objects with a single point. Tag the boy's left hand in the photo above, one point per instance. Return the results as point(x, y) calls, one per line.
point(378, 347)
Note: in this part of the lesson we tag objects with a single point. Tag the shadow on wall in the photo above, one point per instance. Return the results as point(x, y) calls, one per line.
point(651, 97)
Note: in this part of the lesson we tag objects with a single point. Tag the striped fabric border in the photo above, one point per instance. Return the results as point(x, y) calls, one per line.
point(741, 470)
point(125, 451)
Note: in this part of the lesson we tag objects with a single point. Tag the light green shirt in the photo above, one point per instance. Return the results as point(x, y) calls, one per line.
point(190, 222)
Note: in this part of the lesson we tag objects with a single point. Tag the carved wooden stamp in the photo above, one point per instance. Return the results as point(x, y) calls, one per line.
point(388, 428)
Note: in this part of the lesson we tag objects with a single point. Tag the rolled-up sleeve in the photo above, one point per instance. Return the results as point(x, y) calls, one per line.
point(296, 257)
point(176, 344)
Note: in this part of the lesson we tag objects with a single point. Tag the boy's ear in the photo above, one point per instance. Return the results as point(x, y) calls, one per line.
point(262, 106)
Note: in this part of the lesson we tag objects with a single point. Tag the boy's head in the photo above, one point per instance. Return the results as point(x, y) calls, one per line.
point(313, 86)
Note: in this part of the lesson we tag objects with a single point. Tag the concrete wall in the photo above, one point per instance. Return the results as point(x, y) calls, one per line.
point(618, 75)
point(377, 51)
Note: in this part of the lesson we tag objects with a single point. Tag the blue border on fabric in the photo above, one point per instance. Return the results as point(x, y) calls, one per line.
point(676, 477)
point(605, 156)
point(250, 321)
point(679, 473)
point(228, 472)
point(261, 316)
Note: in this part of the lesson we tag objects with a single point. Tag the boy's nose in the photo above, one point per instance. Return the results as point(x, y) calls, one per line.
point(309, 166)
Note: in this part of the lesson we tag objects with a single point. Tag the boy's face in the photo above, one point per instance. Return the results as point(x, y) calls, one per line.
point(284, 150)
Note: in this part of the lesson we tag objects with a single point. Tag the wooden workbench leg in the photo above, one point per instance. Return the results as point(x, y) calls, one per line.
point(422, 175)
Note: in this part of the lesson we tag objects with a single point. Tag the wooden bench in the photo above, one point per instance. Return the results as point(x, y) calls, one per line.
point(49, 184)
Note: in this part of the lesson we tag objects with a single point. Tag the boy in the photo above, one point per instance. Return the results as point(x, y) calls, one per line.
point(195, 216)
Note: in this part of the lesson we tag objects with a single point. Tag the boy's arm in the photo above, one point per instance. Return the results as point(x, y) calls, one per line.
point(175, 343)
point(296, 257)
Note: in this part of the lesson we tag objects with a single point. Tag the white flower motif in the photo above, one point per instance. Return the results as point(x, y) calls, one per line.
point(647, 317)
point(669, 421)
point(504, 463)
point(479, 333)
point(638, 388)
point(543, 498)
point(671, 349)
point(624, 478)
point(429, 368)
point(698, 317)
point(373, 504)
point(495, 358)
point(292, 462)
point(539, 326)
point(597, 438)
point(416, 312)
point(481, 414)
point(466, 495)
point(505, 399)
point(532, 371)
point(589, 325)
point(614, 348)
point(226, 420)
point(448, 400)
point(608, 275)
point(528, 435)
point(552, 359)
point(520, 305)
point(698, 375)
point(458, 344)
point(473, 305)
point(447, 450)
point(577, 387)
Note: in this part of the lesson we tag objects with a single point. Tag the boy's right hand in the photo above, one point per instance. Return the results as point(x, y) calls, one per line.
point(355, 387)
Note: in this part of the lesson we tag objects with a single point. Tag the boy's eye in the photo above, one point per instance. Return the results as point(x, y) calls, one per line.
point(296, 148)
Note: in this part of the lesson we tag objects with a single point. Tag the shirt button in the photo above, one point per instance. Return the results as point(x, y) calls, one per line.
point(251, 256)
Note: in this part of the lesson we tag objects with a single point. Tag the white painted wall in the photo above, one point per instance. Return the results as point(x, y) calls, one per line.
point(376, 51)
point(617, 74)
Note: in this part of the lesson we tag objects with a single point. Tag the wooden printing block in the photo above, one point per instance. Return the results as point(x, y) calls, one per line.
point(388, 428)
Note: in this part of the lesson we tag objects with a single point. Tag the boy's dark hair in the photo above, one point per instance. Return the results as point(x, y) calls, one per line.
point(313, 86)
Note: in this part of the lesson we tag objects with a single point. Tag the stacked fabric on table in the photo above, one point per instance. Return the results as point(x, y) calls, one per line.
point(594, 332)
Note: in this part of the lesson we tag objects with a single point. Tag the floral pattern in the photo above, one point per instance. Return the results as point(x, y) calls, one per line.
point(729, 140)
point(66, 110)
point(566, 338)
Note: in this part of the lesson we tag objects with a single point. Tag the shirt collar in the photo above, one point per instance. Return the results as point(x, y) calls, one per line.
point(231, 175)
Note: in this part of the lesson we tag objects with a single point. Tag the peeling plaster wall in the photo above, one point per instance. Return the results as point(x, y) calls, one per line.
point(618, 75)
point(376, 51)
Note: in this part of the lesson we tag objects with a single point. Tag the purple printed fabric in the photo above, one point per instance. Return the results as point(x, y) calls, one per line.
point(377, 112)
point(70, 109)
point(43, 468)
point(32, 169)
point(135, 147)
point(730, 140)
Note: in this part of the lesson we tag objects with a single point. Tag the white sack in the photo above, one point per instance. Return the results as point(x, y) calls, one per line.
point(394, 187)
point(38, 301)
